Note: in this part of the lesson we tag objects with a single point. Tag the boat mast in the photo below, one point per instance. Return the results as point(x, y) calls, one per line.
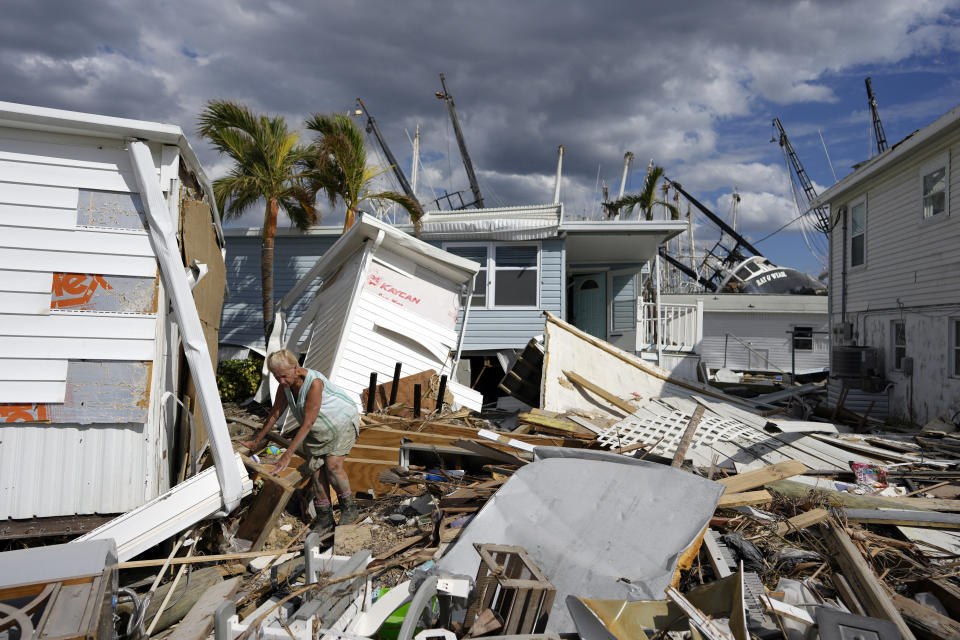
point(467, 164)
point(823, 221)
point(878, 133)
point(397, 171)
point(415, 170)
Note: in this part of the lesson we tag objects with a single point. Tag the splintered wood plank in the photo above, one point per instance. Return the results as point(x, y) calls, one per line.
point(730, 500)
point(803, 520)
point(264, 513)
point(363, 474)
point(198, 623)
point(772, 473)
point(393, 438)
point(616, 401)
point(863, 581)
point(373, 452)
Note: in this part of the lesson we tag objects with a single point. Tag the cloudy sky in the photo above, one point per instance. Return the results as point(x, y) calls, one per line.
point(692, 85)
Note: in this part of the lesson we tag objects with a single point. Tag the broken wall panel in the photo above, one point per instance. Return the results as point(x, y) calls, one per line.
point(111, 210)
point(94, 292)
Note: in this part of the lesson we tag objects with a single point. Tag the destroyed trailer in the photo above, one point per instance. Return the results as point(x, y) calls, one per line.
point(113, 253)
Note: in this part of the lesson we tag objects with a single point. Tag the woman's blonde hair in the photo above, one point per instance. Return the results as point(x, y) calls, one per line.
point(281, 359)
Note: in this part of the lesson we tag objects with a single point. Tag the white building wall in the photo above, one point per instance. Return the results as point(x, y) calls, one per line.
point(51, 465)
point(728, 338)
point(911, 271)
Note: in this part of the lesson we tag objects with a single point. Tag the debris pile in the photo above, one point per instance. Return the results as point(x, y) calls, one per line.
point(628, 505)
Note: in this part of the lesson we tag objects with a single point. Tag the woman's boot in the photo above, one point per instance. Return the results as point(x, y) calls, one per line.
point(324, 523)
point(348, 510)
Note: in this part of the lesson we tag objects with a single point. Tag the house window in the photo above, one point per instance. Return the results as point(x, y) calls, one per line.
point(858, 233)
point(955, 347)
point(509, 274)
point(898, 340)
point(624, 311)
point(803, 338)
point(934, 187)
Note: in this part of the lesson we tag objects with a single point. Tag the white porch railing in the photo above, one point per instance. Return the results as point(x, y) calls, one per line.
point(669, 327)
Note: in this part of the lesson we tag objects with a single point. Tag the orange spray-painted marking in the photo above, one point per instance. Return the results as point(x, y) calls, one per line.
point(23, 413)
point(74, 289)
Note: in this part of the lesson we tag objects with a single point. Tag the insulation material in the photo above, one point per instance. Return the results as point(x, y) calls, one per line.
point(93, 292)
point(104, 393)
point(613, 533)
point(111, 210)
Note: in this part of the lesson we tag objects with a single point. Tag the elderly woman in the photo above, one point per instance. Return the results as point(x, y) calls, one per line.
point(329, 425)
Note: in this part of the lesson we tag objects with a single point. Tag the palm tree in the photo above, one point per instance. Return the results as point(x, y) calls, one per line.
point(646, 199)
point(340, 168)
point(268, 164)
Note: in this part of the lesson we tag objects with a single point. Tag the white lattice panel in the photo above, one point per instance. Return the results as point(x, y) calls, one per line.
point(663, 427)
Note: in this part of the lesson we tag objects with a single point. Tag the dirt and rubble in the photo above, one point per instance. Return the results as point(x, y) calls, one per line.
point(790, 529)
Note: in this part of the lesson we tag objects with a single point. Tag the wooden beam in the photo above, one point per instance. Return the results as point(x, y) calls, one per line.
point(198, 623)
point(864, 583)
point(687, 439)
point(730, 500)
point(619, 403)
point(222, 557)
point(760, 477)
point(925, 620)
point(798, 490)
point(932, 519)
point(568, 427)
point(802, 521)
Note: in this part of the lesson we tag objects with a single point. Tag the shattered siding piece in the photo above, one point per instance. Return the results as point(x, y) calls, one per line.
point(24, 413)
point(111, 210)
point(104, 392)
point(92, 292)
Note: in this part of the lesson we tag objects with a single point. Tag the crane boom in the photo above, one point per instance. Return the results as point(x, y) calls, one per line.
point(467, 163)
point(878, 133)
point(397, 171)
point(823, 220)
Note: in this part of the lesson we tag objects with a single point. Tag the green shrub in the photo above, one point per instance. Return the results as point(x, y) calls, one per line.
point(237, 380)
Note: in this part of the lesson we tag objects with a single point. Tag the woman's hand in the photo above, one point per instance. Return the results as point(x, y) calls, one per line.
point(282, 463)
point(251, 445)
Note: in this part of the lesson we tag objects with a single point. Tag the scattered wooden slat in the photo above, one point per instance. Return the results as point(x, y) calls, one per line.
point(268, 505)
point(567, 427)
point(730, 500)
point(934, 519)
point(846, 594)
point(925, 620)
point(221, 557)
point(802, 521)
point(864, 583)
point(619, 403)
point(687, 439)
point(760, 477)
point(798, 490)
point(198, 623)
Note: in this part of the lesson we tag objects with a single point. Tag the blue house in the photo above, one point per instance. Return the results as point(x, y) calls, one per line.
point(590, 273)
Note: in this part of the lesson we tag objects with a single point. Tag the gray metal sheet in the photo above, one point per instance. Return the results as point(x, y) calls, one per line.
point(111, 210)
point(597, 524)
point(56, 562)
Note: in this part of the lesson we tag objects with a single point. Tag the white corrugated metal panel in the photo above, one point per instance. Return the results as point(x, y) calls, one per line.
point(54, 470)
point(507, 223)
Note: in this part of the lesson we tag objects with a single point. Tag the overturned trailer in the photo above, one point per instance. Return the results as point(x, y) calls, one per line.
point(111, 259)
point(384, 298)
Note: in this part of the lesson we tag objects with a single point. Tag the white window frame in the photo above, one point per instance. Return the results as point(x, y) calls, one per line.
point(491, 268)
point(862, 200)
point(894, 346)
point(940, 162)
point(953, 326)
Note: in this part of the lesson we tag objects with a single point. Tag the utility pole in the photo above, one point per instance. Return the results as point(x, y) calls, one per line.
point(878, 133)
point(467, 164)
point(397, 171)
point(415, 170)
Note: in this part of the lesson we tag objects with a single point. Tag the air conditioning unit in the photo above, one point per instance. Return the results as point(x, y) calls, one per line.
point(855, 362)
